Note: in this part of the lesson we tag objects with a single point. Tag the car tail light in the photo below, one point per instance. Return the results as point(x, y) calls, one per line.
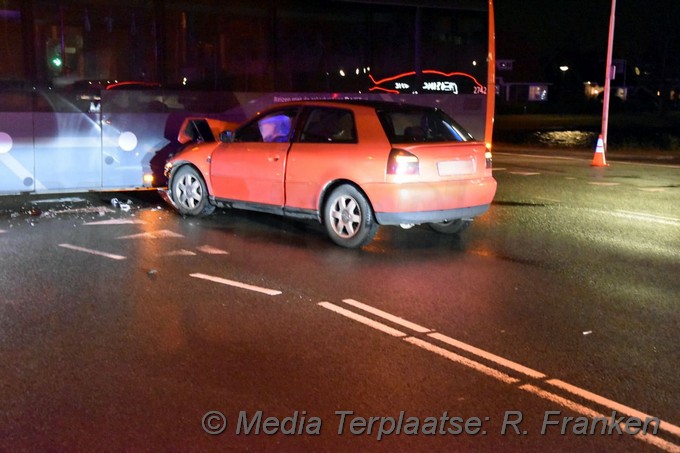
point(402, 162)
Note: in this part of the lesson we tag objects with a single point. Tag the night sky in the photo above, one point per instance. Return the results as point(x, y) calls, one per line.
point(536, 33)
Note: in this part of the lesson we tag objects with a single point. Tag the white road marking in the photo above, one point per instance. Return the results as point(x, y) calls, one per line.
point(181, 252)
point(604, 184)
point(646, 217)
point(61, 200)
point(539, 156)
point(93, 252)
point(578, 408)
point(629, 411)
point(499, 375)
point(462, 360)
point(160, 234)
point(362, 319)
point(524, 173)
point(116, 222)
point(571, 405)
point(488, 356)
point(385, 315)
point(648, 164)
point(210, 250)
point(448, 340)
point(653, 189)
point(224, 281)
point(3, 231)
point(98, 209)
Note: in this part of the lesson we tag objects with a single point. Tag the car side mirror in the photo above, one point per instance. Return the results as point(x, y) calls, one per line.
point(226, 136)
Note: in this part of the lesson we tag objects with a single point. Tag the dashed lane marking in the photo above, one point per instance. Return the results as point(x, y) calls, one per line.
point(224, 281)
point(604, 184)
point(579, 408)
point(524, 173)
point(447, 340)
point(363, 319)
point(462, 360)
point(585, 394)
point(648, 164)
point(488, 356)
point(181, 252)
point(501, 376)
point(116, 222)
point(653, 189)
point(645, 216)
point(210, 250)
point(623, 162)
point(101, 210)
point(385, 315)
point(93, 252)
point(61, 200)
point(160, 234)
point(537, 156)
point(640, 216)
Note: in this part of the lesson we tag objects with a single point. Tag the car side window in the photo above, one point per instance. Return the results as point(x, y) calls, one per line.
point(269, 128)
point(329, 125)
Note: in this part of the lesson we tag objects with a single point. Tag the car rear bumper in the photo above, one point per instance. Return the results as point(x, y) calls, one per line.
point(430, 202)
point(399, 218)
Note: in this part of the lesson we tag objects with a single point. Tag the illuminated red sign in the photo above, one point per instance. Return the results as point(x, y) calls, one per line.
point(431, 82)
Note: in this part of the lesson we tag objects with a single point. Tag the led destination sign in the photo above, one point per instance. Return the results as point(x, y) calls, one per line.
point(431, 81)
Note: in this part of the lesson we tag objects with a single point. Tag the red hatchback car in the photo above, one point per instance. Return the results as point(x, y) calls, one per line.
point(351, 165)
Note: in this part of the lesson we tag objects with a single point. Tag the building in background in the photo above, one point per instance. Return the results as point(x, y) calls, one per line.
point(240, 45)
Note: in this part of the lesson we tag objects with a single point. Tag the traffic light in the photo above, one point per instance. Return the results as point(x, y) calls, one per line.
point(55, 61)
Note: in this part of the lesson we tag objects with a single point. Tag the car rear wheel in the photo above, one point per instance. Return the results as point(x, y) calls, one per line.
point(190, 193)
point(451, 226)
point(349, 218)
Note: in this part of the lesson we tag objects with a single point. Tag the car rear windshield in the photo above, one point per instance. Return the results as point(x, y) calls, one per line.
point(426, 125)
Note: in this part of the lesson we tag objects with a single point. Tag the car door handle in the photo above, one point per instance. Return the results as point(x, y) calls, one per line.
point(273, 158)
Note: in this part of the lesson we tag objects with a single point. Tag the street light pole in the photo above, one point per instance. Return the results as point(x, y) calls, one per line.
point(563, 88)
point(608, 77)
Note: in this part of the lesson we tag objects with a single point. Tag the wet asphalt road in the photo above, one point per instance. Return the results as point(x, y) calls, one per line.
point(123, 329)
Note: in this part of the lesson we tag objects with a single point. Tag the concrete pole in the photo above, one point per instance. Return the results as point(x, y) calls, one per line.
point(608, 77)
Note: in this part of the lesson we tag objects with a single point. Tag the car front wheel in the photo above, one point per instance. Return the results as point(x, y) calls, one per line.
point(451, 226)
point(349, 218)
point(190, 193)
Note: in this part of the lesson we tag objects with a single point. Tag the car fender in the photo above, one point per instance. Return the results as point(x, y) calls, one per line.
point(330, 186)
point(197, 155)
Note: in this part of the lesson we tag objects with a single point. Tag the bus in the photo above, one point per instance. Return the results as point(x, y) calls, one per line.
point(92, 96)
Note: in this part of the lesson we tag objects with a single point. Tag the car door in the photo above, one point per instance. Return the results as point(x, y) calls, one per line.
point(252, 167)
